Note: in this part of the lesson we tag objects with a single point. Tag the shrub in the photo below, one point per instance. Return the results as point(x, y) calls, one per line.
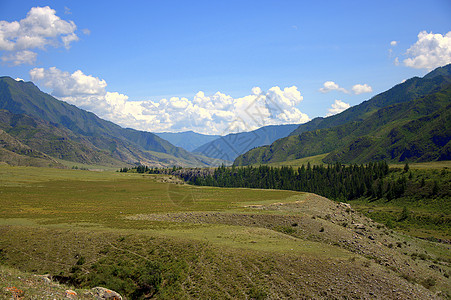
point(428, 282)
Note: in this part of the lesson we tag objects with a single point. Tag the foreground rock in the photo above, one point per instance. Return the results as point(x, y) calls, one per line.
point(103, 293)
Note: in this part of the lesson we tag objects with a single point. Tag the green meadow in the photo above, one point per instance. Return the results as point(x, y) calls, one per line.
point(152, 236)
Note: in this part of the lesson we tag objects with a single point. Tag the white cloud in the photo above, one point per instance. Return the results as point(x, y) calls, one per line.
point(362, 88)
point(337, 107)
point(20, 57)
point(393, 43)
point(19, 79)
point(65, 84)
point(429, 51)
point(396, 61)
point(86, 31)
point(41, 28)
point(215, 114)
point(329, 86)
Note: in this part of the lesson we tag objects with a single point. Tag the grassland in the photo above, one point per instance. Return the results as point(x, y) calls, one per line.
point(152, 236)
point(313, 160)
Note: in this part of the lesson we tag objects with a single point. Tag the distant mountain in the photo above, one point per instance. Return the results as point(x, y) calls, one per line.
point(86, 132)
point(409, 122)
point(232, 145)
point(188, 140)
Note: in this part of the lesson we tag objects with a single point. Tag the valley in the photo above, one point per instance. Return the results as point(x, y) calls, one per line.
point(225, 150)
point(88, 228)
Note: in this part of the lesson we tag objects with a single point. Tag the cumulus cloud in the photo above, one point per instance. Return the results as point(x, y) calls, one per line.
point(362, 88)
point(211, 114)
point(20, 57)
point(41, 28)
point(329, 86)
point(337, 107)
point(393, 43)
point(357, 89)
point(429, 51)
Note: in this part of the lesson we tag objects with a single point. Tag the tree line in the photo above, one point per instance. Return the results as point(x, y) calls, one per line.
point(335, 181)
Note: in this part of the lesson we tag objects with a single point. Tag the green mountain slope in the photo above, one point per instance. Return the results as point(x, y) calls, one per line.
point(402, 138)
point(86, 132)
point(14, 152)
point(409, 90)
point(57, 142)
point(413, 130)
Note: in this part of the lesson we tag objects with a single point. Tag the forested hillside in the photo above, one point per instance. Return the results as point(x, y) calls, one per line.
point(409, 130)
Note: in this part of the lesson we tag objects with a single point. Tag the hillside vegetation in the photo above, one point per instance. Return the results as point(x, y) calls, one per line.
point(64, 131)
point(410, 122)
point(151, 236)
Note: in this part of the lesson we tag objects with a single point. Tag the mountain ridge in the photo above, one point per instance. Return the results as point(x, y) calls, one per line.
point(128, 145)
point(319, 136)
point(402, 92)
point(230, 146)
point(188, 140)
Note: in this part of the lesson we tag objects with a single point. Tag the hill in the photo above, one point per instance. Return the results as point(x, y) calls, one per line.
point(146, 238)
point(409, 90)
point(85, 130)
point(404, 129)
point(14, 152)
point(188, 140)
point(232, 145)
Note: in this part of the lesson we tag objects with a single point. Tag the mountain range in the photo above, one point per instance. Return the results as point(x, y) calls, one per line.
point(63, 131)
point(188, 140)
point(409, 122)
point(230, 146)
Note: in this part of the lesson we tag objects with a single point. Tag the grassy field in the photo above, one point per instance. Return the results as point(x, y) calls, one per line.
point(433, 165)
point(313, 160)
point(153, 236)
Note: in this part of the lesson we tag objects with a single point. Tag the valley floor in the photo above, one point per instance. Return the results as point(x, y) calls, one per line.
point(151, 236)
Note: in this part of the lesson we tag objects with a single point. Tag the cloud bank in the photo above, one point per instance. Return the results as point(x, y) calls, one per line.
point(41, 28)
point(429, 51)
point(209, 114)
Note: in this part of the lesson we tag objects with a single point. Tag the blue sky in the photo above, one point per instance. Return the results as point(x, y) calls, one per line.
point(142, 64)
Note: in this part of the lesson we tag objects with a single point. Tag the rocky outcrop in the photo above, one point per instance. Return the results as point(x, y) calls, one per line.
point(104, 293)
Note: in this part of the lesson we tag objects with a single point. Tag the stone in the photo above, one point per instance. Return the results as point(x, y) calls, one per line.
point(70, 294)
point(46, 277)
point(104, 293)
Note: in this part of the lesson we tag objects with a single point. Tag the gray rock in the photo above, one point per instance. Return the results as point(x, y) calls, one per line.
point(104, 293)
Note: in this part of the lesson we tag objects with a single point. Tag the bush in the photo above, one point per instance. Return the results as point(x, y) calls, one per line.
point(133, 278)
point(428, 282)
point(285, 229)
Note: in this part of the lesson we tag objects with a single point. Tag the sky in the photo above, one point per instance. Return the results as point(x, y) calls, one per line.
point(217, 67)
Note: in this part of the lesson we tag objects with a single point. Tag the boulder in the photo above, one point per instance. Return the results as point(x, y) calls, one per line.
point(104, 293)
